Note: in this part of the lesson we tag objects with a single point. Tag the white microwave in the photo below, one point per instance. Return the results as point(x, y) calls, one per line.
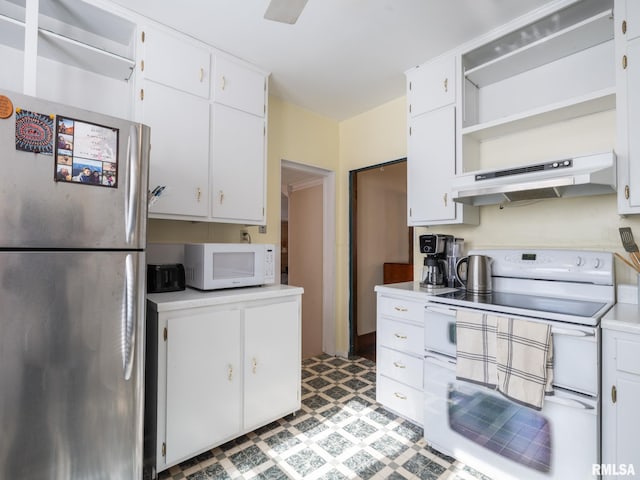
point(211, 266)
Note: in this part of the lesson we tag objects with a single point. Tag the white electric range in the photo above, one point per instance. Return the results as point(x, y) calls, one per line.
point(569, 290)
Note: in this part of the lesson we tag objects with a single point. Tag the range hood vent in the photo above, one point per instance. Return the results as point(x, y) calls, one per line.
point(568, 177)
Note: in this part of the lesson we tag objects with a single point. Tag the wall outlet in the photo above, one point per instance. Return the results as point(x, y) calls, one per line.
point(262, 229)
point(244, 235)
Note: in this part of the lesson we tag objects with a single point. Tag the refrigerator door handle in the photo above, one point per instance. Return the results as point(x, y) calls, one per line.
point(129, 317)
point(131, 197)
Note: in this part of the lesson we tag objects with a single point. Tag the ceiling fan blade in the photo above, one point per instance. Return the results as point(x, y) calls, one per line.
point(285, 11)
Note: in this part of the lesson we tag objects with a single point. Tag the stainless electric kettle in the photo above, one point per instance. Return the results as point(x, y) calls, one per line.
point(478, 278)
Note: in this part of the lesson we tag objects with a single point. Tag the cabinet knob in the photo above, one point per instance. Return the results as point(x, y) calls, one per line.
point(444, 199)
point(400, 309)
point(201, 74)
point(627, 193)
point(142, 94)
point(399, 365)
point(400, 336)
point(254, 365)
point(614, 394)
point(221, 197)
point(446, 84)
point(230, 373)
point(223, 82)
point(624, 62)
point(624, 26)
point(198, 194)
point(400, 396)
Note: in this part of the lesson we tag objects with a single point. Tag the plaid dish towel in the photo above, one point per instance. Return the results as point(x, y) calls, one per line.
point(476, 347)
point(524, 359)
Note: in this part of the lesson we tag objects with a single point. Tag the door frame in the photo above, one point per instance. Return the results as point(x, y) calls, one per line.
point(328, 250)
point(353, 237)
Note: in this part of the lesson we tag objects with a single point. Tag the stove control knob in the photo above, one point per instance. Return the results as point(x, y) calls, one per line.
point(579, 261)
point(597, 263)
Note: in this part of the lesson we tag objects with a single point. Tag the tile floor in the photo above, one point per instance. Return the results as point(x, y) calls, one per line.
point(339, 433)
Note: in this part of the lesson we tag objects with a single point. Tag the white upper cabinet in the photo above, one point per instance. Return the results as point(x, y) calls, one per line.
point(238, 142)
point(238, 86)
point(628, 104)
point(430, 167)
point(173, 100)
point(238, 166)
point(179, 155)
point(176, 61)
point(431, 146)
point(432, 87)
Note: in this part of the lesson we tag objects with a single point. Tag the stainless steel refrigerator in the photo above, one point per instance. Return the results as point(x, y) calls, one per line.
point(72, 292)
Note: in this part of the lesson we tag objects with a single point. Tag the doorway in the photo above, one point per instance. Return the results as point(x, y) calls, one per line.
point(307, 254)
point(381, 245)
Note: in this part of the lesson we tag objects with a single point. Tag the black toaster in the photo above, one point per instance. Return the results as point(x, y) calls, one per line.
point(165, 278)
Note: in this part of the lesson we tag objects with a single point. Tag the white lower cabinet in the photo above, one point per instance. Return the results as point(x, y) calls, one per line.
point(204, 381)
point(222, 371)
point(399, 355)
point(620, 399)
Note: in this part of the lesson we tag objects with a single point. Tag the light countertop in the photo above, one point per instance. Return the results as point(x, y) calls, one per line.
point(411, 290)
point(192, 298)
point(623, 317)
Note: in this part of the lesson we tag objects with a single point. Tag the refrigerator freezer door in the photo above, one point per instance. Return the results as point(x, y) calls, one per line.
point(71, 365)
point(39, 212)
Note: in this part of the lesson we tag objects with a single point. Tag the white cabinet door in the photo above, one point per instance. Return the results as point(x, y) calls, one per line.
point(238, 166)
point(431, 86)
point(272, 362)
point(430, 167)
point(238, 86)
point(179, 150)
point(176, 61)
point(203, 381)
point(621, 395)
point(633, 18)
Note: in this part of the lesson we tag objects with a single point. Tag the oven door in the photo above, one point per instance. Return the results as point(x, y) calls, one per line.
point(575, 347)
point(503, 439)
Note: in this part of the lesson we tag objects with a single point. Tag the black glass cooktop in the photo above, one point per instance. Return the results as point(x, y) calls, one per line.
point(579, 308)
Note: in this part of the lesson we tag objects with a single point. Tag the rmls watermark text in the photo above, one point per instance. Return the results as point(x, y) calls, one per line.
point(613, 469)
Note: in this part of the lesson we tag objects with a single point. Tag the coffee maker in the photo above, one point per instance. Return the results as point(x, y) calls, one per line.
point(434, 271)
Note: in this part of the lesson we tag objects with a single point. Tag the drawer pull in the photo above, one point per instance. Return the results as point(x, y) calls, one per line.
point(400, 396)
point(401, 309)
point(401, 337)
point(399, 365)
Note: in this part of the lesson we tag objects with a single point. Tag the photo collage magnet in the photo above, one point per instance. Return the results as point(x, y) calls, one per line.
point(86, 153)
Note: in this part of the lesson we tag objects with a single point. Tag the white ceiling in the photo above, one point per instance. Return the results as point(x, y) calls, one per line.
point(342, 57)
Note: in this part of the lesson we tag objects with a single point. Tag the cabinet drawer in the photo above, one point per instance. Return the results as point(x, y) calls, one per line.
point(400, 398)
point(400, 366)
point(628, 359)
point(401, 336)
point(400, 308)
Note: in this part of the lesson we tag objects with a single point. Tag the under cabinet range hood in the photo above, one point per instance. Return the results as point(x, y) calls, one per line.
point(568, 177)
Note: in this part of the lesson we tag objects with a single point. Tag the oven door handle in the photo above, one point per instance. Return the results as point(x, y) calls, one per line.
point(443, 310)
point(572, 333)
point(569, 402)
